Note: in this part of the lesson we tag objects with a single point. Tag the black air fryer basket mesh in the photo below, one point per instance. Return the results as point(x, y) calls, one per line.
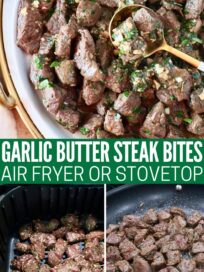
point(25, 203)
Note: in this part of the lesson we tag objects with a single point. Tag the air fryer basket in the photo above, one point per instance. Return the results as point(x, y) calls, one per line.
point(25, 203)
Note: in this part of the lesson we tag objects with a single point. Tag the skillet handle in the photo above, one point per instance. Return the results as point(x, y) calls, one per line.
point(5, 99)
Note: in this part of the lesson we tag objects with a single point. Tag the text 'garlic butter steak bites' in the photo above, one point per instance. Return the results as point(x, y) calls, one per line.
point(89, 87)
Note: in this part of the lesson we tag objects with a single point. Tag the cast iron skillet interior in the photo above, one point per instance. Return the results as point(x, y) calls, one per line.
point(25, 203)
point(136, 199)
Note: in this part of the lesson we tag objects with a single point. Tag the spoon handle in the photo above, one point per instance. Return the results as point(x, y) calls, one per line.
point(194, 62)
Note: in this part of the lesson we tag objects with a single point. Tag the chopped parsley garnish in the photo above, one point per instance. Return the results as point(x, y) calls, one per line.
point(84, 130)
point(117, 117)
point(136, 110)
point(45, 84)
point(179, 114)
point(172, 97)
point(126, 93)
point(188, 120)
point(147, 132)
point(38, 60)
point(54, 64)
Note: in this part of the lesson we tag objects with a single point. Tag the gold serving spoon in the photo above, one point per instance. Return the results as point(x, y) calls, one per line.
point(123, 13)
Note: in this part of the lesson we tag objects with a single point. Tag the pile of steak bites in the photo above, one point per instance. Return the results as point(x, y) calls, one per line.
point(164, 241)
point(62, 245)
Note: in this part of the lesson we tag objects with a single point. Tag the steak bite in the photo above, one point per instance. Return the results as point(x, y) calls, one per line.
point(124, 266)
point(66, 72)
point(187, 265)
point(158, 261)
point(173, 257)
point(155, 123)
point(196, 125)
point(117, 79)
point(25, 232)
point(194, 219)
point(113, 239)
point(113, 123)
point(140, 265)
point(127, 102)
point(91, 126)
point(30, 27)
point(58, 19)
point(64, 38)
point(197, 100)
point(85, 57)
point(46, 44)
point(48, 240)
point(55, 256)
point(46, 227)
point(46, 5)
point(193, 8)
point(92, 92)
point(88, 13)
point(68, 118)
point(26, 263)
point(128, 250)
point(109, 3)
point(104, 52)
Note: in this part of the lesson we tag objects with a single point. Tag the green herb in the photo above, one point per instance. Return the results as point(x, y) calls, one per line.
point(126, 93)
point(172, 97)
point(84, 130)
point(129, 35)
point(179, 114)
point(136, 110)
point(188, 120)
point(117, 117)
point(54, 64)
point(45, 84)
point(71, 2)
point(38, 60)
point(196, 75)
point(147, 132)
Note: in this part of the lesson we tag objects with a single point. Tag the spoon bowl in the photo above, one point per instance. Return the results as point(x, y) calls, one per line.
point(152, 46)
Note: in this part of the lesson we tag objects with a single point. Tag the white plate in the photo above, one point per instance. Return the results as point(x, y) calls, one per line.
point(18, 66)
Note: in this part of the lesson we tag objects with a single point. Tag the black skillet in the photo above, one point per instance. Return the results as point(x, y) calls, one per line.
point(136, 199)
point(25, 203)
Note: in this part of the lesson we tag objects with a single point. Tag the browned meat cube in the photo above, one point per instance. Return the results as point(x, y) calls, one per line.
point(198, 247)
point(67, 265)
point(162, 241)
point(169, 246)
point(108, 3)
point(180, 221)
point(104, 52)
point(140, 236)
point(117, 79)
point(169, 19)
point(25, 232)
point(53, 98)
point(38, 250)
point(159, 234)
point(158, 261)
point(45, 268)
point(146, 21)
point(112, 228)
point(85, 57)
point(46, 44)
point(150, 217)
point(48, 240)
point(91, 126)
point(128, 250)
point(155, 123)
point(64, 39)
point(173, 257)
point(30, 27)
point(163, 215)
point(95, 234)
point(69, 118)
point(177, 113)
point(197, 101)
point(194, 219)
point(148, 251)
point(113, 239)
point(169, 269)
point(60, 233)
point(177, 211)
point(45, 6)
point(197, 124)
point(124, 266)
point(131, 220)
point(127, 102)
point(66, 72)
point(162, 226)
point(23, 248)
point(193, 8)
point(199, 258)
point(46, 227)
point(70, 221)
point(94, 254)
point(140, 265)
point(131, 232)
point(73, 237)
point(26, 263)
point(40, 71)
point(55, 256)
point(113, 123)
point(88, 13)
point(74, 250)
point(113, 254)
point(102, 134)
point(187, 265)
point(149, 241)
point(182, 241)
point(107, 100)
point(92, 92)
point(58, 18)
